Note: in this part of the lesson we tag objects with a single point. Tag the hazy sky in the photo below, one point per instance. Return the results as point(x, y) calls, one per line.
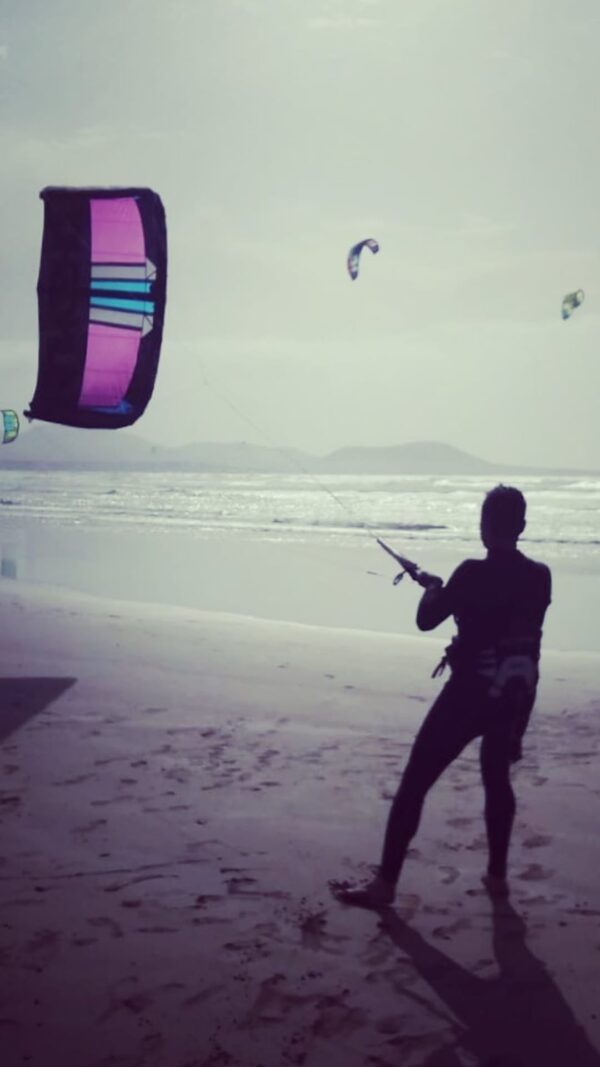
point(462, 134)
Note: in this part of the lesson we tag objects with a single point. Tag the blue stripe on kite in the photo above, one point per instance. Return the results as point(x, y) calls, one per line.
point(123, 408)
point(146, 306)
point(128, 287)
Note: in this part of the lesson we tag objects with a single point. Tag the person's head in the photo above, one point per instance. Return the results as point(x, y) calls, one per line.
point(502, 517)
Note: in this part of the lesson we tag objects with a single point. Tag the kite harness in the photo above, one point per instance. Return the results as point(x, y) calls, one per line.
point(504, 665)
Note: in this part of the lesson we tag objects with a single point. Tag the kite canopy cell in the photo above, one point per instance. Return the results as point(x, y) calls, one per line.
point(353, 260)
point(570, 302)
point(10, 425)
point(101, 304)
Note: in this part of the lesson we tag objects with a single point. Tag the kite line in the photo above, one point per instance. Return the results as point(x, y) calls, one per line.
point(408, 567)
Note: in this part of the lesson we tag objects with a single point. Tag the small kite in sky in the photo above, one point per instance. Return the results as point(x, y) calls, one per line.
point(570, 302)
point(10, 425)
point(354, 255)
point(101, 304)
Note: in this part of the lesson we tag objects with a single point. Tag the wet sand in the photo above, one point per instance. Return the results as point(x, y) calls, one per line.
point(315, 582)
point(177, 789)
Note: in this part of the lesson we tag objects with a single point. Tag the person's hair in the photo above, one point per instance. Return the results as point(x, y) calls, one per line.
point(503, 511)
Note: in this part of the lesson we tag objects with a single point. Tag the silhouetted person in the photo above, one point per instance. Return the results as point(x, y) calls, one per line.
point(499, 605)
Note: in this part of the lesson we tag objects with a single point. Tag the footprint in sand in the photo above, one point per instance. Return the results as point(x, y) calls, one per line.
point(249, 950)
point(271, 894)
point(446, 932)
point(239, 880)
point(330, 1015)
point(270, 1005)
point(44, 942)
point(535, 873)
point(156, 930)
point(477, 844)
point(267, 755)
point(110, 924)
point(181, 775)
point(74, 781)
point(336, 1018)
point(199, 998)
point(136, 1003)
point(312, 930)
point(116, 886)
point(95, 824)
point(112, 800)
point(537, 841)
point(314, 935)
point(205, 898)
point(152, 1043)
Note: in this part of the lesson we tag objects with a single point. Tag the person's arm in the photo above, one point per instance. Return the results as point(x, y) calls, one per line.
point(438, 602)
point(433, 608)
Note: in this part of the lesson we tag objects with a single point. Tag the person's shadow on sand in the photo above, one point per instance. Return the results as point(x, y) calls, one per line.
point(517, 1019)
point(23, 698)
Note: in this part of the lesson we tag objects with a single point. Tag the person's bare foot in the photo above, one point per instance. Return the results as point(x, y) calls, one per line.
point(375, 894)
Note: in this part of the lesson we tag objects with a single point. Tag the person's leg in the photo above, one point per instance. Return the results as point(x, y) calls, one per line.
point(495, 757)
point(446, 730)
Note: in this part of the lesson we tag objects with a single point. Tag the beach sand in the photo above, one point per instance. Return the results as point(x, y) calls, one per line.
point(177, 789)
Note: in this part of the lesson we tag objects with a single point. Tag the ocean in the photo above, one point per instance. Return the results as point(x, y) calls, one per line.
point(563, 512)
point(195, 538)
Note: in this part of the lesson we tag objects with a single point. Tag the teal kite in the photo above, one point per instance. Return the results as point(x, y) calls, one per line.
point(10, 425)
point(570, 302)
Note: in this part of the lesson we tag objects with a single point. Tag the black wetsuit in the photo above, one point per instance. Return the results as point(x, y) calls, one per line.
point(499, 605)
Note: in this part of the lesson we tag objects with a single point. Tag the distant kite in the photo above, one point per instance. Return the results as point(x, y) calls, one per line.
point(354, 255)
point(101, 305)
point(10, 425)
point(570, 302)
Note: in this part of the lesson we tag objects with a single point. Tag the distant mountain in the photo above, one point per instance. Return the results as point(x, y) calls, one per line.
point(61, 447)
point(65, 447)
point(416, 457)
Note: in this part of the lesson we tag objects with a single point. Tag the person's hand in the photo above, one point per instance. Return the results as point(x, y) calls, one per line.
point(429, 581)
